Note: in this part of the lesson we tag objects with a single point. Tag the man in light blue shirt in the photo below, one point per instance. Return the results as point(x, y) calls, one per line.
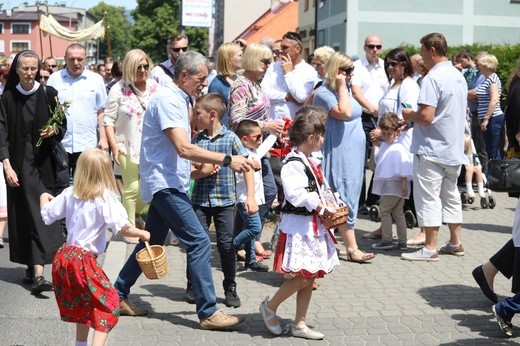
point(165, 166)
point(86, 91)
point(438, 145)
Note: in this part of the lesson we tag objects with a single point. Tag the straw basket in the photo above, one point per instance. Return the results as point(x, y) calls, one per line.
point(333, 220)
point(153, 261)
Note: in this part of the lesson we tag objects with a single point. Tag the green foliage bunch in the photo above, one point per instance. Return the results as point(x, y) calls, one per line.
point(507, 55)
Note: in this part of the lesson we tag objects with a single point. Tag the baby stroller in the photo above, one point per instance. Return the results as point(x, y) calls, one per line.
point(467, 195)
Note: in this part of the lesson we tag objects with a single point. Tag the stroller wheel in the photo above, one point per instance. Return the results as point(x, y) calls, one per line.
point(492, 202)
point(471, 200)
point(374, 213)
point(464, 197)
point(411, 222)
point(484, 203)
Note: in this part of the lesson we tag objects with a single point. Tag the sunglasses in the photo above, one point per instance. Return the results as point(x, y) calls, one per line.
point(177, 50)
point(44, 77)
point(267, 62)
point(52, 66)
point(293, 36)
point(372, 46)
point(140, 68)
point(256, 137)
point(276, 52)
point(392, 63)
point(347, 70)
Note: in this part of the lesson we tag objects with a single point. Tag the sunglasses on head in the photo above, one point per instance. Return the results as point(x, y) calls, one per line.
point(140, 68)
point(178, 49)
point(372, 46)
point(293, 36)
point(347, 70)
point(267, 62)
point(392, 63)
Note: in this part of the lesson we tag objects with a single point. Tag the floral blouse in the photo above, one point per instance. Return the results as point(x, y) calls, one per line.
point(124, 111)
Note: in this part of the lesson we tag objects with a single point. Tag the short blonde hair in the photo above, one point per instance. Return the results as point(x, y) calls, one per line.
point(253, 54)
point(131, 61)
point(336, 61)
point(224, 55)
point(488, 61)
point(323, 54)
point(93, 175)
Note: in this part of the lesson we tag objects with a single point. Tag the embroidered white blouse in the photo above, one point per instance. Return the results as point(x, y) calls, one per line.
point(124, 111)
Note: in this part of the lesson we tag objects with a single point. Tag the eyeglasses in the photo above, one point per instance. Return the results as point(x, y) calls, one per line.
point(372, 46)
point(28, 68)
point(52, 66)
point(177, 50)
point(267, 62)
point(44, 77)
point(392, 63)
point(256, 137)
point(140, 68)
point(347, 70)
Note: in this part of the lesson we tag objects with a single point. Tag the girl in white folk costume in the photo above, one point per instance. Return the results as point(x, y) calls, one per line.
point(305, 249)
point(84, 293)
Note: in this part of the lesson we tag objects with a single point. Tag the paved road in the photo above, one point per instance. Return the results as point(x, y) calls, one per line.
point(387, 302)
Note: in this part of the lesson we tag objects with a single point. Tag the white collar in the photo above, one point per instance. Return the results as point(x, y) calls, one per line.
point(28, 92)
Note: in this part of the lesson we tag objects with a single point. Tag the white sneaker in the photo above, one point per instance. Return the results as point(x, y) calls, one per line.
point(422, 254)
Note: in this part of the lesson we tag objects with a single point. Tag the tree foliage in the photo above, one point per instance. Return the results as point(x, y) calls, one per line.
point(119, 29)
point(156, 20)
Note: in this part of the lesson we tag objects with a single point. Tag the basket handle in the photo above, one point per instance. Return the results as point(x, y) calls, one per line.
point(148, 249)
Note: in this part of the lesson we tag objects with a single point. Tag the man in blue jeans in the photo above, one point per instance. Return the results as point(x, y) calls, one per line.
point(165, 165)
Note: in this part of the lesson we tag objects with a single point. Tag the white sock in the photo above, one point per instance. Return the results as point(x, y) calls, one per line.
point(81, 343)
point(469, 186)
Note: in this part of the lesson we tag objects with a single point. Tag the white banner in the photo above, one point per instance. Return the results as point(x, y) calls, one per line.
point(197, 13)
point(51, 26)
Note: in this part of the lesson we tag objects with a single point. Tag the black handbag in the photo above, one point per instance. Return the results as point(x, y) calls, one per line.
point(59, 156)
point(504, 175)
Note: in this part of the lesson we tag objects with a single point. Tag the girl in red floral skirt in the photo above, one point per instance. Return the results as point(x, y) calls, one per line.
point(305, 249)
point(84, 294)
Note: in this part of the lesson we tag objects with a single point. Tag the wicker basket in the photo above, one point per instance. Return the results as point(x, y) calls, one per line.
point(333, 220)
point(153, 261)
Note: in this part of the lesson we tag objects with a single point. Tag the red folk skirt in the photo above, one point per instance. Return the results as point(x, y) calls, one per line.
point(82, 289)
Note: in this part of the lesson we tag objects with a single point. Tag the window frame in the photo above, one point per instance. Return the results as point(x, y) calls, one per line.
point(20, 23)
point(28, 42)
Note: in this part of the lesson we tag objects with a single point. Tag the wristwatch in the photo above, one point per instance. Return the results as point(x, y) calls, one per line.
point(227, 160)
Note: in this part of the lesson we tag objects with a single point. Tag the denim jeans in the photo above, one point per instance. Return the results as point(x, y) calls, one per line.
point(252, 227)
point(223, 220)
point(508, 307)
point(492, 136)
point(270, 190)
point(171, 209)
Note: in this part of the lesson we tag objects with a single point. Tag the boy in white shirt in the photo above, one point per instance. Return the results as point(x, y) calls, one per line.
point(250, 135)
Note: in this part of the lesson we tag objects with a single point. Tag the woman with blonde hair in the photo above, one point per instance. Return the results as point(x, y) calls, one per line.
point(489, 112)
point(320, 58)
point(124, 111)
point(343, 162)
point(229, 58)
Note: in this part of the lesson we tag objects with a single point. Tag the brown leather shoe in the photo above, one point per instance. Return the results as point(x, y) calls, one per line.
point(221, 320)
point(128, 309)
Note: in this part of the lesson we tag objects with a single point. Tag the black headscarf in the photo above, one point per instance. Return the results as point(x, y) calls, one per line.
point(12, 78)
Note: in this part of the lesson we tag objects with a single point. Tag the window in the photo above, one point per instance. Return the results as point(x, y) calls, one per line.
point(1, 28)
point(306, 6)
point(20, 28)
point(17, 46)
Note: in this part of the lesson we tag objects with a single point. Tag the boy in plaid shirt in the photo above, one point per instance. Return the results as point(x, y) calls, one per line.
point(214, 195)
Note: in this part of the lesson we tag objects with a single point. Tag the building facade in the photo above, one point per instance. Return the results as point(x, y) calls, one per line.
point(343, 25)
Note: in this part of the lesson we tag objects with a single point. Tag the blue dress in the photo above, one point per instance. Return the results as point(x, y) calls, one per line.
point(221, 86)
point(343, 151)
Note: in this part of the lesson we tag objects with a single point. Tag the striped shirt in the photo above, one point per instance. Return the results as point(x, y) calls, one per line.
point(484, 96)
point(217, 190)
point(247, 101)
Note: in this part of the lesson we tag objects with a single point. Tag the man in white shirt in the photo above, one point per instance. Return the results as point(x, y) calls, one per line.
point(176, 45)
point(87, 93)
point(369, 84)
point(288, 83)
